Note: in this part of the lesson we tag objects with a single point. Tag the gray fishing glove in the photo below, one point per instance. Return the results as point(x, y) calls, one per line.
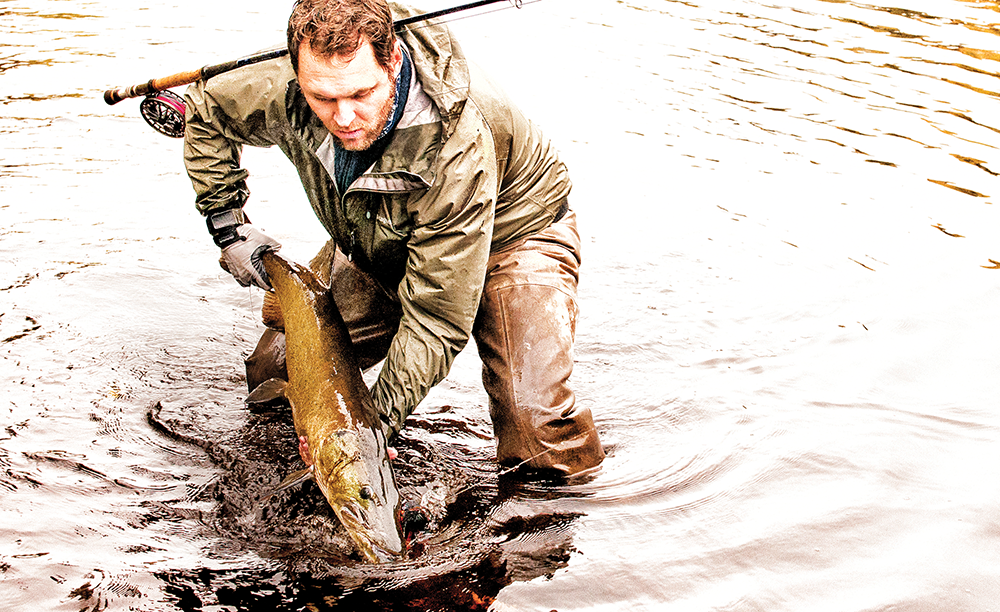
point(242, 247)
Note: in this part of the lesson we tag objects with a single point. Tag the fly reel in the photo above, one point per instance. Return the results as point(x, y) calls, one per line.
point(164, 112)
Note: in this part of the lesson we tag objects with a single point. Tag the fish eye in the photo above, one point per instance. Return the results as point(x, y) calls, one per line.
point(366, 493)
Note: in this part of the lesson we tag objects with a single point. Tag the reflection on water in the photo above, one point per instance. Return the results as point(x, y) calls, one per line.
point(787, 330)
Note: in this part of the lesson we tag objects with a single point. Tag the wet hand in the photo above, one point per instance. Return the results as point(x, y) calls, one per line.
point(304, 451)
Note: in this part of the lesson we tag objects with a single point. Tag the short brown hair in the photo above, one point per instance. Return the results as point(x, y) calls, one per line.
point(338, 27)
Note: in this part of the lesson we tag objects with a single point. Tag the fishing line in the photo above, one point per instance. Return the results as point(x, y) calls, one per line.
point(504, 471)
point(400, 23)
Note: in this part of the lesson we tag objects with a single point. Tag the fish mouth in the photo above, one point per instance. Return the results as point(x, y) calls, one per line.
point(377, 540)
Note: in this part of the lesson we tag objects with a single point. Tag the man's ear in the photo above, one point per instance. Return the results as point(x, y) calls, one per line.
point(397, 59)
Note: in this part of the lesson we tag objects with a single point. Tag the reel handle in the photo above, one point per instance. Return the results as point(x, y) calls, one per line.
point(114, 96)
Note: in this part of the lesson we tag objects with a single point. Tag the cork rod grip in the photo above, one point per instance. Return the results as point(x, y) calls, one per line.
point(114, 96)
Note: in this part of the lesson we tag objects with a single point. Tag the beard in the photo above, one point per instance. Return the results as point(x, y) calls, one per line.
point(372, 130)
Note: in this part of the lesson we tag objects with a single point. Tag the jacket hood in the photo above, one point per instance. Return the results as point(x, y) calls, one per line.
point(440, 64)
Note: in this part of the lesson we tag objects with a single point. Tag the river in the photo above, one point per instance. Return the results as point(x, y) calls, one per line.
point(788, 333)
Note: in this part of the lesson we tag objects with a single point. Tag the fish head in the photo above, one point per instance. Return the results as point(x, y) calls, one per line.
point(353, 471)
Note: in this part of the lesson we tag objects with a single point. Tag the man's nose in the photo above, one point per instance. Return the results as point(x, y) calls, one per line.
point(344, 114)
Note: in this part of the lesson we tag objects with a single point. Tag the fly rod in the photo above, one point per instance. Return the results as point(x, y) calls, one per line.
point(114, 96)
point(164, 110)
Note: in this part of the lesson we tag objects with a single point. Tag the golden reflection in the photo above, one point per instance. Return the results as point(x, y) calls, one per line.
point(894, 32)
point(980, 53)
point(968, 192)
point(975, 162)
point(938, 226)
point(954, 134)
point(30, 13)
point(11, 62)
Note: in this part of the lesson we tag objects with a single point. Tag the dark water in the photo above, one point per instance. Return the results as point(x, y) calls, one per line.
point(789, 330)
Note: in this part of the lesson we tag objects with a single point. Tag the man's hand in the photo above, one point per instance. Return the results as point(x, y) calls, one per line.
point(242, 257)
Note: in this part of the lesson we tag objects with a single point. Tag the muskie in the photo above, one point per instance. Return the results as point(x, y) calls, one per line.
point(333, 411)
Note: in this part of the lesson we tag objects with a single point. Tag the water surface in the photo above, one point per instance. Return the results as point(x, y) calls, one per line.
point(788, 331)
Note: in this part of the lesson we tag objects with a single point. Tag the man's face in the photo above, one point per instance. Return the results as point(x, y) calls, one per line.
point(351, 95)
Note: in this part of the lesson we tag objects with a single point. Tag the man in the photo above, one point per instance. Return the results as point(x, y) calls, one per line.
point(447, 207)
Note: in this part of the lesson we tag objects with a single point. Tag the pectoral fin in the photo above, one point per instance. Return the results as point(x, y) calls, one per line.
point(268, 394)
point(270, 312)
point(293, 479)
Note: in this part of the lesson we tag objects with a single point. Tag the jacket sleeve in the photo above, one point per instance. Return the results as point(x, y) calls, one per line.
point(223, 114)
point(445, 270)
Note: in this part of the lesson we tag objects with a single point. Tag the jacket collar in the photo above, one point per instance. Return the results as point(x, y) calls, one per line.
point(406, 163)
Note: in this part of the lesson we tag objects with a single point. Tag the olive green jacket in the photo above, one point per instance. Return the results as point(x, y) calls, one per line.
point(464, 174)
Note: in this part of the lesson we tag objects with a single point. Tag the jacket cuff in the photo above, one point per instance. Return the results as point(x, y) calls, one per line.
point(222, 224)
